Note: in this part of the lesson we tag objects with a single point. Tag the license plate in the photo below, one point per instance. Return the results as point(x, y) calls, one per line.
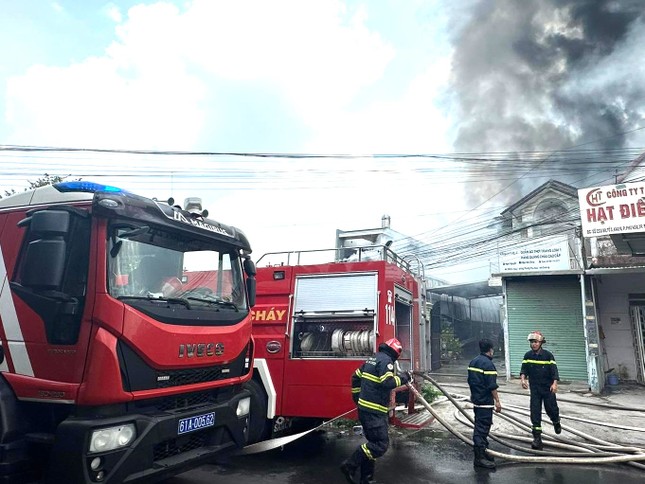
point(197, 422)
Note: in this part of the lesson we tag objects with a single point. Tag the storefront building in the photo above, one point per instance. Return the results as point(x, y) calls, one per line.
point(542, 275)
point(613, 220)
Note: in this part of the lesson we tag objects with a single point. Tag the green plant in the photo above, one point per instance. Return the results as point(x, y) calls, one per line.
point(450, 344)
point(430, 393)
point(344, 423)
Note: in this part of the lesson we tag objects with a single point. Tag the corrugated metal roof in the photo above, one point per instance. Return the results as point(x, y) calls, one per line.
point(616, 264)
point(469, 291)
point(616, 261)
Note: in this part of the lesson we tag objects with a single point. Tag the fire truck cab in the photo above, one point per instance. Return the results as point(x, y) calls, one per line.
point(112, 369)
point(318, 316)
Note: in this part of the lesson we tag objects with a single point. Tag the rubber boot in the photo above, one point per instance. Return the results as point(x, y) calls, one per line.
point(367, 472)
point(489, 458)
point(537, 442)
point(480, 459)
point(349, 469)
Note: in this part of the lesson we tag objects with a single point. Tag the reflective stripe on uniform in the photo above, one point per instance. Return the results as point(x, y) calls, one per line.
point(376, 379)
point(367, 452)
point(372, 406)
point(370, 377)
point(479, 370)
point(539, 362)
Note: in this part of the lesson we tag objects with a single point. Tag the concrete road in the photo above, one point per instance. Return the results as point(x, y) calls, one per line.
point(426, 456)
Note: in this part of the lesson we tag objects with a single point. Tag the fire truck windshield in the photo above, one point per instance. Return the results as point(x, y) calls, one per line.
point(147, 264)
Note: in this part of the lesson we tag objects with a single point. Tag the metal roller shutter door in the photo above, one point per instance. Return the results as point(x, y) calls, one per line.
point(552, 305)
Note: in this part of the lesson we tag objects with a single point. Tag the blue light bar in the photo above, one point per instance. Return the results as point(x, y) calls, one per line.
point(83, 186)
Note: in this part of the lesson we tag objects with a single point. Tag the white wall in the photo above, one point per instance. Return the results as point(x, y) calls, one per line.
point(614, 318)
point(527, 210)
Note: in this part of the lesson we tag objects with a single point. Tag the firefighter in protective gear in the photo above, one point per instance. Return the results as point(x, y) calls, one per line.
point(541, 370)
point(482, 380)
point(372, 384)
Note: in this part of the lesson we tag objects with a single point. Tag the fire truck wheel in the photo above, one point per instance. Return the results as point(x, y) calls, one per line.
point(259, 425)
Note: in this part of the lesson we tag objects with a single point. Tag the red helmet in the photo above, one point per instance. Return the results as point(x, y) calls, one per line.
point(537, 336)
point(396, 345)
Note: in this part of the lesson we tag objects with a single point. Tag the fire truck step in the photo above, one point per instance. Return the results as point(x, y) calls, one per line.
point(415, 420)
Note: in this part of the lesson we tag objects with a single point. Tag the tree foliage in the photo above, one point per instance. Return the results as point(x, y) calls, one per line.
point(47, 179)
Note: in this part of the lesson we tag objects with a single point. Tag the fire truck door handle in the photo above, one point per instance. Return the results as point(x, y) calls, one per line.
point(286, 333)
point(378, 308)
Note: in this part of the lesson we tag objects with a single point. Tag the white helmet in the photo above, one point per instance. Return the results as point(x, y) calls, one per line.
point(537, 336)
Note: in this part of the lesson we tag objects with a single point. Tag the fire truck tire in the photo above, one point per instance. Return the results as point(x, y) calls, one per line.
point(15, 464)
point(259, 425)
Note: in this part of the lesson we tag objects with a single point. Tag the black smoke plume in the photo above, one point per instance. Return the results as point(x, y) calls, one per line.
point(546, 75)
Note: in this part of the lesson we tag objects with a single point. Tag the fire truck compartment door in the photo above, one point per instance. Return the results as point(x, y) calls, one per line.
point(336, 292)
point(402, 295)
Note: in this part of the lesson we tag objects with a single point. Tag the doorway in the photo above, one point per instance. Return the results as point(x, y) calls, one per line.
point(637, 314)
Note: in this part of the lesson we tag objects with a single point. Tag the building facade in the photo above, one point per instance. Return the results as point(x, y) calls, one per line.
point(612, 222)
point(541, 270)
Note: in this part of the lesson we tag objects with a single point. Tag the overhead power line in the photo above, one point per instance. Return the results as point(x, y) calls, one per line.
point(465, 239)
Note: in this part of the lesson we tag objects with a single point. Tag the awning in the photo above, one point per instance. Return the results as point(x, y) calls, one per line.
point(630, 243)
point(571, 272)
point(614, 270)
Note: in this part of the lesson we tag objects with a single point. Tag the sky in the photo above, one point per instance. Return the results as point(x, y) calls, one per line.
point(171, 83)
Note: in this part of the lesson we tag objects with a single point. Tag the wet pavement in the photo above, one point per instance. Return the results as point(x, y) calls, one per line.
point(422, 456)
point(432, 455)
point(598, 415)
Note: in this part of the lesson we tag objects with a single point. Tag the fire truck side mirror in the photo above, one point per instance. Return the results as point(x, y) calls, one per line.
point(43, 265)
point(251, 284)
point(249, 267)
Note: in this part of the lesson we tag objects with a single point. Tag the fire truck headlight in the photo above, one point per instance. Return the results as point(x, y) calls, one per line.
point(243, 407)
point(112, 438)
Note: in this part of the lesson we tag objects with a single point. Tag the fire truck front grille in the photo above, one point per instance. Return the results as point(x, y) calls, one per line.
point(180, 402)
point(179, 445)
point(166, 379)
point(185, 401)
point(136, 374)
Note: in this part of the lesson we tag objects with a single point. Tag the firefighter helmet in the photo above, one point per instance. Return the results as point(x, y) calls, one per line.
point(396, 345)
point(537, 336)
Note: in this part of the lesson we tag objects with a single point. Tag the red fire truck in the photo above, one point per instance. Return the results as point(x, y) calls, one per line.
point(315, 323)
point(110, 369)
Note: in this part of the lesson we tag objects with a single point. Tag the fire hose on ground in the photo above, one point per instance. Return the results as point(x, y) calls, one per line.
point(588, 454)
point(266, 445)
point(608, 406)
point(577, 447)
point(598, 452)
